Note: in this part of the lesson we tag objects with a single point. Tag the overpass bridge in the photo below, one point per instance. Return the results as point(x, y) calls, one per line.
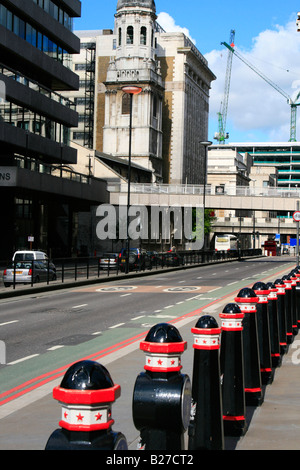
point(228, 198)
point(260, 202)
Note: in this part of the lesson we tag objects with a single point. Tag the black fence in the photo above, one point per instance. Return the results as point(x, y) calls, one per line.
point(60, 270)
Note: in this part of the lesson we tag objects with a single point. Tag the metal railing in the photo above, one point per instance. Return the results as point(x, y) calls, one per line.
point(52, 170)
point(66, 270)
point(148, 188)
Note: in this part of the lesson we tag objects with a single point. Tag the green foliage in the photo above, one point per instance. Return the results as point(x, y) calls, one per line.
point(209, 217)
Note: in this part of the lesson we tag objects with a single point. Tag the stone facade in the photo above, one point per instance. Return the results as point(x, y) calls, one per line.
point(170, 115)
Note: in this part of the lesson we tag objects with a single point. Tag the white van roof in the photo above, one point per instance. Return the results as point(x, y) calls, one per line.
point(42, 254)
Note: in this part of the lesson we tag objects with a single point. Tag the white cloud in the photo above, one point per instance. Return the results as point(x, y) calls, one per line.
point(255, 105)
point(168, 24)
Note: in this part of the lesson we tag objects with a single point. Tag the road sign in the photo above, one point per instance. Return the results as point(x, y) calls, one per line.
point(296, 216)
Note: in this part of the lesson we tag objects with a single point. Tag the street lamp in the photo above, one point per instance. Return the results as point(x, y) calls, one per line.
point(130, 90)
point(205, 144)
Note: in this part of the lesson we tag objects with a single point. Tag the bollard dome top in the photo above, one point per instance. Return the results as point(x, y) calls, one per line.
point(246, 293)
point(260, 286)
point(163, 333)
point(87, 375)
point(271, 285)
point(207, 321)
point(232, 308)
point(279, 282)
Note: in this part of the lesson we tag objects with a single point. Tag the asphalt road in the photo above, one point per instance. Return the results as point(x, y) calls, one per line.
point(35, 324)
point(46, 333)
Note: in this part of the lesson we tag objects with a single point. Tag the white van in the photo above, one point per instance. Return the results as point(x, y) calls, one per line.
point(32, 255)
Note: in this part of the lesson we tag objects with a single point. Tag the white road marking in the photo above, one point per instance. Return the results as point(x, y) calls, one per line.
point(23, 359)
point(79, 306)
point(116, 326)
point(9, 322)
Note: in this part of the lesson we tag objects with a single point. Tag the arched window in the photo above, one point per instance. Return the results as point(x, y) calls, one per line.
point(126, 103)
point(129, 37)
point(143, 38)
point(120, 36)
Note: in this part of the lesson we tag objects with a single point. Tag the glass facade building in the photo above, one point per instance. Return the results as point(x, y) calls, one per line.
point(39, 192)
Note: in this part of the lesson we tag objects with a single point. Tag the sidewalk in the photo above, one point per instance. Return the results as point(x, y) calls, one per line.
point(275, 425)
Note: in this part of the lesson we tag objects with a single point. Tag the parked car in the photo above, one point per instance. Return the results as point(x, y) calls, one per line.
point(109, 260)
point(173, 259)
point(24, 272)
point(30, 255)
point(155, 257)
point(138, 260)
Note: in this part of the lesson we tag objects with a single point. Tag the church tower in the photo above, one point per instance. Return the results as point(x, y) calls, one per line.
point(135, 63)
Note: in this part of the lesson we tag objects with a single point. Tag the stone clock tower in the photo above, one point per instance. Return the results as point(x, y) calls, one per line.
point(135, 64)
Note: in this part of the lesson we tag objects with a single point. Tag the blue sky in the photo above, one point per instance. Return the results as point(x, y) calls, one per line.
point(266, 35)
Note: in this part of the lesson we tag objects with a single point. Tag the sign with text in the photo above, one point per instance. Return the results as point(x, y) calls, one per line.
point(8, 176)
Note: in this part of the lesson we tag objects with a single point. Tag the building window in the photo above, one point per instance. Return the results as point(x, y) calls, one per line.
point(80, 66)
point(129, 37)
point(155, 106)
point(78, 135)
point(120, 36)
point(143, 39)
point(36, 38)
point(2, 15)
point(126, 103)
point(23, 118)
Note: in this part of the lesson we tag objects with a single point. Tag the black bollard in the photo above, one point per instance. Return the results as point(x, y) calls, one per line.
point(280, 286)
point(247, 301)
point(294, 302)
point(288, 308)
point(162, 395)
point(263, 329)
point(274, 325)
point(86, 394)
point(232, 371)
point(206, 431)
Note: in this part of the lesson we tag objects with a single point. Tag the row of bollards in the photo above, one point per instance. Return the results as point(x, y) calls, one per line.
point(231, 365)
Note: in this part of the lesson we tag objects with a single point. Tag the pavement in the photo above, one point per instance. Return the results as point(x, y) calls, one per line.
point(27, 422)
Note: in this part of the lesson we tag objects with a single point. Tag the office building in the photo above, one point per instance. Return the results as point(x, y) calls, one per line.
point(40, 194)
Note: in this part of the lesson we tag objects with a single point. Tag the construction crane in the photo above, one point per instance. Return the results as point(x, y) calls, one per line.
point(222, 135)
point(293, 104)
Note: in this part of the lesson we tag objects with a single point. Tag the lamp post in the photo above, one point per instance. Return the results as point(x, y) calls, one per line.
point(205, 144)
point(130, 90)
